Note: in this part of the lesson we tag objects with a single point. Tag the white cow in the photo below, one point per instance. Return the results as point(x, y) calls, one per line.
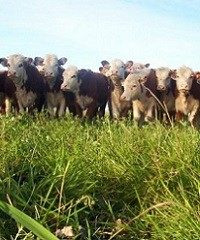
point(115, 71)
point(187, 100)
point(135, 90)
point(50, 68)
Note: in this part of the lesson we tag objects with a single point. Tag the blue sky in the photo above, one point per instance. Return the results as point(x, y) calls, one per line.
point(159, 32)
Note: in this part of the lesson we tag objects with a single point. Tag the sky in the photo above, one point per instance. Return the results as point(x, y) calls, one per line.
point(164, 33)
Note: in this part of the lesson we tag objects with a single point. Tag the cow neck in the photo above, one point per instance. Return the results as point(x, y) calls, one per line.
point(22, 80)
point(52, 87)
point(142, 90)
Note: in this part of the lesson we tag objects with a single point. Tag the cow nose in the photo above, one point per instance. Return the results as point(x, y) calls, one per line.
point(114, 72)
point(160, 87)
point(11, 73)
point(123, 98)
point(185, 86)
point(63, 86)
point(48, 74)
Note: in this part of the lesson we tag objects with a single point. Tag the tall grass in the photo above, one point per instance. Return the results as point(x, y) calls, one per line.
point(105, 180)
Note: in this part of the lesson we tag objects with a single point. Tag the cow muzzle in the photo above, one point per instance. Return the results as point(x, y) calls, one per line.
point(161, 88)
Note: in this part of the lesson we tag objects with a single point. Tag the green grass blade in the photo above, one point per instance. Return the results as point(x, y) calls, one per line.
point(27, 221)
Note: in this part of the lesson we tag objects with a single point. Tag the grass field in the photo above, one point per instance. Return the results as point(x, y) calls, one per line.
point(105, 180)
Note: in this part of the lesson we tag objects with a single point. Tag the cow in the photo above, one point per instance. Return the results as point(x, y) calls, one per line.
point(115, 70)
point(91, 90)
point(7, 94)
point(27, 80)
point(131, 67)
point(140, 88)
point(187, 94)
point(55, 99)
point(166, 93)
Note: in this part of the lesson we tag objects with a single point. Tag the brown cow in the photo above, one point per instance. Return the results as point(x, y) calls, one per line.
point(91, 90)
point(166, 93)
point(27, 80)
point(187, 98)
point(7, 94)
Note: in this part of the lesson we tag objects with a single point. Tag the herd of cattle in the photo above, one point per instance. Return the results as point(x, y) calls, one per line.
point(128, 89)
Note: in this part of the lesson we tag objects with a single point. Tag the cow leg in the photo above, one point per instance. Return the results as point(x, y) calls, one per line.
point(91, 110)
point(178, 116)
point(79, 110)
point(192, 115)
point(7, 106)
point(61, 108)
point(137, 114)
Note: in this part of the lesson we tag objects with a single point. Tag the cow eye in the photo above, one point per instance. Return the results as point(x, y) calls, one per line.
point(8, 65)
point(20, 65)
point(73, 76)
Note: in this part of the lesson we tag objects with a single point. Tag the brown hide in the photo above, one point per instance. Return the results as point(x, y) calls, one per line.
point(35, 84)
point(97, 87)
point(7, 91)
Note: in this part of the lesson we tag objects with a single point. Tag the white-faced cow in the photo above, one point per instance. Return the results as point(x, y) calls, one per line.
point(7, 94)
point(187, 99)
point(140, 88)
point(131, 67)
point(51, 69)
point(91, 90)
point(28, 82)
point(166, 93)
point(115, 71)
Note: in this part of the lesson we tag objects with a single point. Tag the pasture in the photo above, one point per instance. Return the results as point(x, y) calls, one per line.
point(103, 179)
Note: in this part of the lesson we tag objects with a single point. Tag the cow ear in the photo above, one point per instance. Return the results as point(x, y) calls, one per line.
point(38, 61)
point(104, 63)
point(82, 73)
point(128, 64)
point(143, 80)
point(28, 60)
point(173, 74)
point(101, 69)
point(147, 65)
point(3, 62)
point(62, 61)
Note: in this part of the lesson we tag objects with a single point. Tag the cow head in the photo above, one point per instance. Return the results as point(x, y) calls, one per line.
point(163, 75)
point(114, 69)
point(17, 65)
point(131, 67)
point(49, 65)
point(70, 79)
point(197, 77)
point(184, 77)
point(133, 85)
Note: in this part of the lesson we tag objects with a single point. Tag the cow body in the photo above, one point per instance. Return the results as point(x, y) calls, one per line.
point(166, 93)
point(187, 99)
point(140, 88)
point(51, 69)
point(7, 94)
point(27, 80)
point(91, 90)
point(115, 70)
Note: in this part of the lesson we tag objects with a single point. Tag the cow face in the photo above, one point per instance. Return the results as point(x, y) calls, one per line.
point(114, 69)
point(184, 78)
point(163, 76)
point(70, 79)
point(131, 67)
point(16, 65)
point(49, 65)
point(133, 85)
